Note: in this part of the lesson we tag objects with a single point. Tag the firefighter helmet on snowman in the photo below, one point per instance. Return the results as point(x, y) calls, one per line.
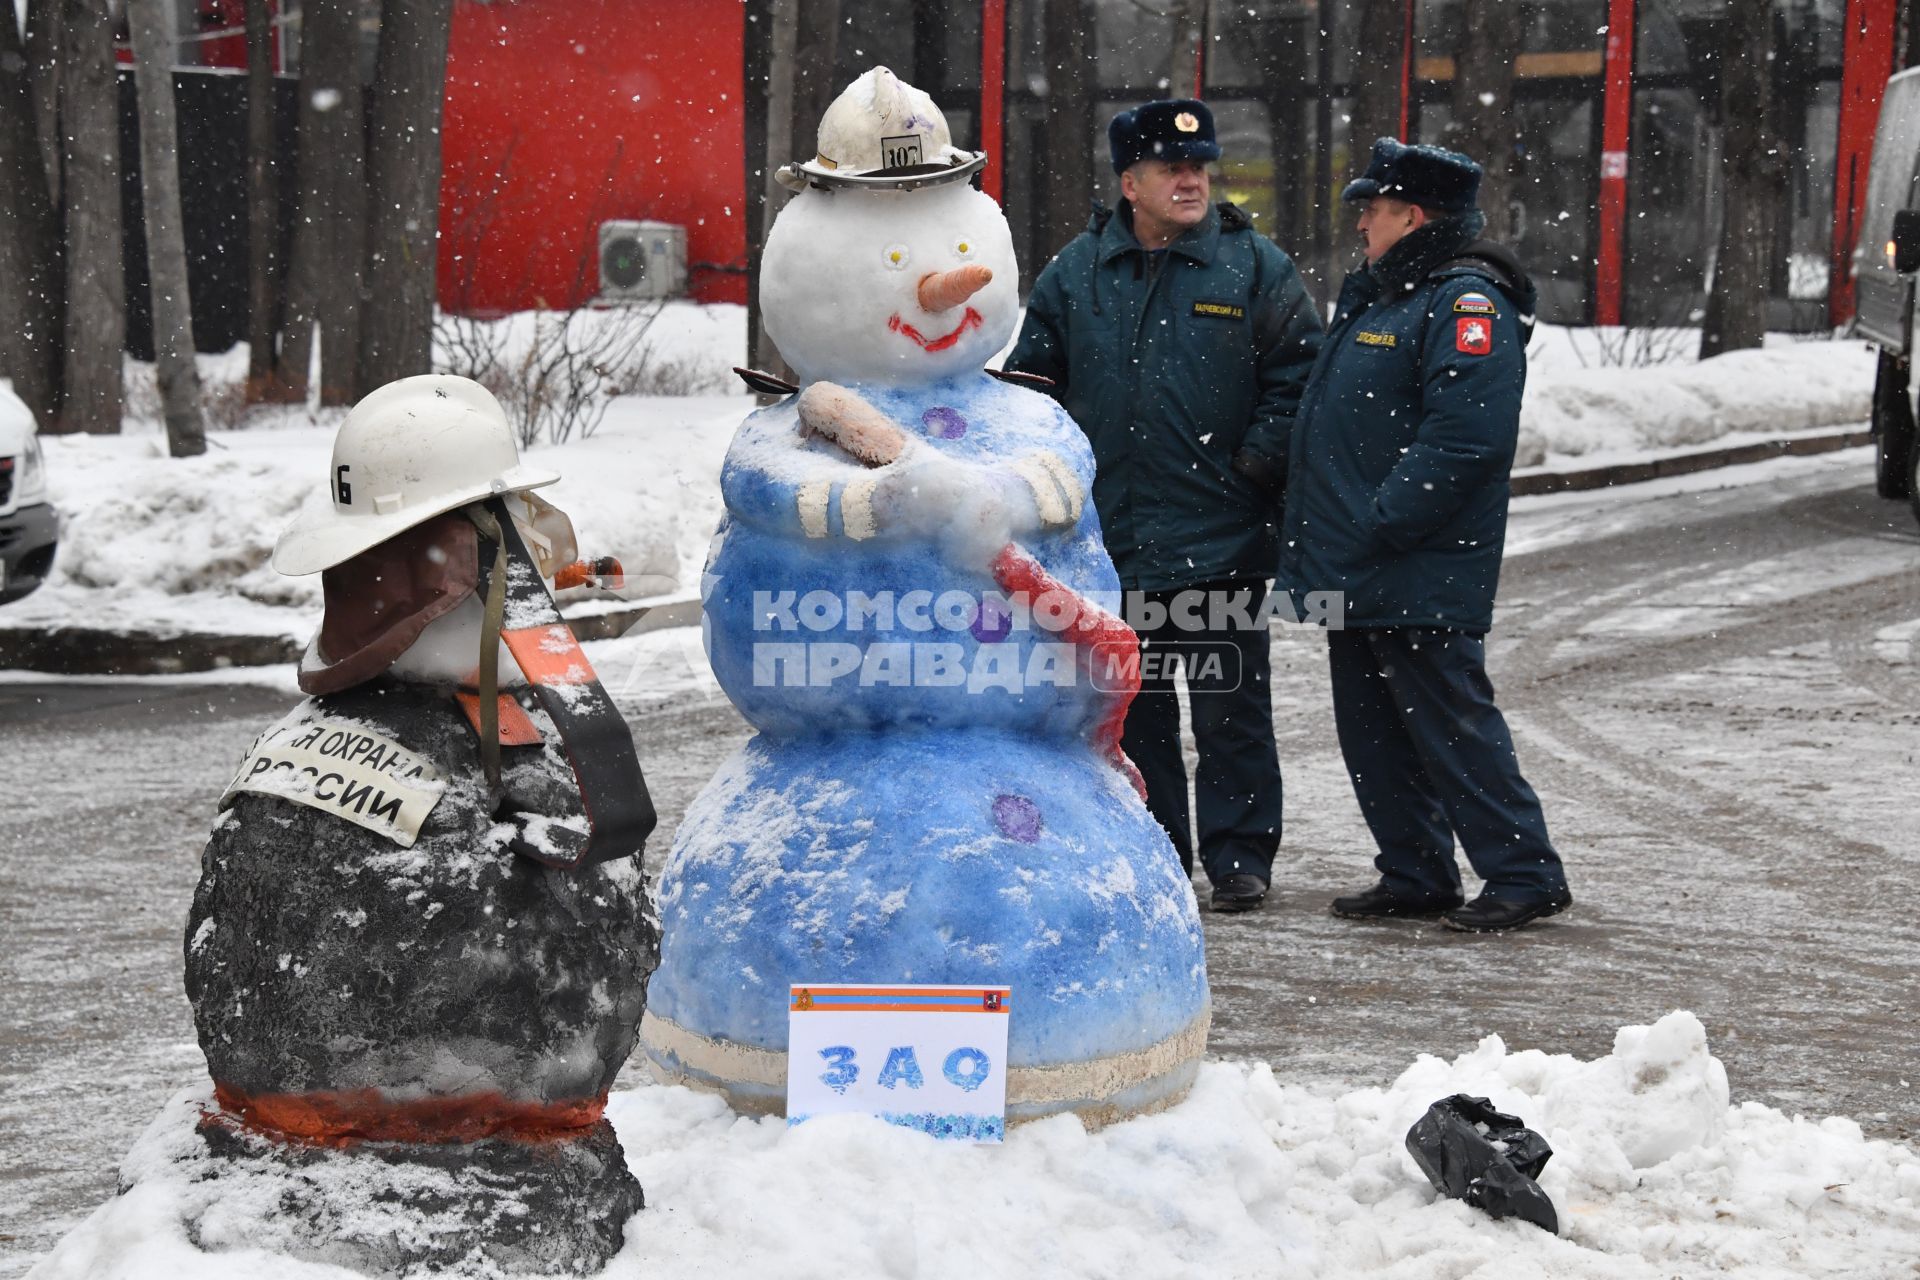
point(410, 451)
point(882, 133)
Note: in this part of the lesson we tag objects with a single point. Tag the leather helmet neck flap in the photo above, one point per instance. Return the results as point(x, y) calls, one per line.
point(380, 601)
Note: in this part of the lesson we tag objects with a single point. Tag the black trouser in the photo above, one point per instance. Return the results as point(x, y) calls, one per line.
point(1237, 781)
point(1431, 759)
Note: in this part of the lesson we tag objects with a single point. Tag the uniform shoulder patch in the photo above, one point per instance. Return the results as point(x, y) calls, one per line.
point(1473, 335)
point(1475, 304)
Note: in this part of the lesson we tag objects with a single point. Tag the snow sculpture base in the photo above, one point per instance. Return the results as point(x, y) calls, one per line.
point(959, 857)
point(431, 1030)
point(388, 1208)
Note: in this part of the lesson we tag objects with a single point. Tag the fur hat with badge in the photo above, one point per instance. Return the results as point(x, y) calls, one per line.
point(1181, 129)
point(1431, 177)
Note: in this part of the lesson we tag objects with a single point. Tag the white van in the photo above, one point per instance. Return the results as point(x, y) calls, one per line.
point(29, 526)
point(1885, 263)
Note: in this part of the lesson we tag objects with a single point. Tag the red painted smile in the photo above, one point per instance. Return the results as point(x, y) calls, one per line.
point(971, 320)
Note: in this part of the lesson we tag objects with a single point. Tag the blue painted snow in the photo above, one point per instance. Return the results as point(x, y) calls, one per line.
point(876, 858)
point(898, 833)
point(762, 558)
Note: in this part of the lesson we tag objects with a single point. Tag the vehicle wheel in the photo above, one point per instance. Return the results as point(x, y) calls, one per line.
point(1893, 430)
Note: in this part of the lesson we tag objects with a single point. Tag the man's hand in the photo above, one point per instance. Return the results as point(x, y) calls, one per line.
point(1271, 478)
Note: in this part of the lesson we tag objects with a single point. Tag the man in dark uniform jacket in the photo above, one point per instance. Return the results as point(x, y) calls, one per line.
point(1179, 338)
point(1398, 499)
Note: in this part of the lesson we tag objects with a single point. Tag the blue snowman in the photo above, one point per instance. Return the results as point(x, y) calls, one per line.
point(910, 601)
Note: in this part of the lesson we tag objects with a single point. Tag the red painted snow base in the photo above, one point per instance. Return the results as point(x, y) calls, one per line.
point(368, 1115)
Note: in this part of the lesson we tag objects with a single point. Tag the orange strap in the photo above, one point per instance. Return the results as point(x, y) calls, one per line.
point(517, 728)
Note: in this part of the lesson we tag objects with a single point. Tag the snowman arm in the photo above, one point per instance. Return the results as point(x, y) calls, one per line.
point(844, 417)
point(1058, 496)
point(829, 500)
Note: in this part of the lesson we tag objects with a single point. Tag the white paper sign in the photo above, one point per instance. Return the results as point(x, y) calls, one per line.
point(932, 1058)
point(344, 770)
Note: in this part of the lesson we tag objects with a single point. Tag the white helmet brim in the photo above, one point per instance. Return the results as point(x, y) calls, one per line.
point(320, 537)
point(806, 173)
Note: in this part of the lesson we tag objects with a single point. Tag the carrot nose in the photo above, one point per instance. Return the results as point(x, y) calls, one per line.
point(945, 290)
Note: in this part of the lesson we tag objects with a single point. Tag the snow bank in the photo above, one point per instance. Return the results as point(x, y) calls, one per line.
point(182, 545)
point(1787, 386)
point(1653, 1175)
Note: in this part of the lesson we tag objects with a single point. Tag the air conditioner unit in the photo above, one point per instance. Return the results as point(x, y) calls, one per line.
point(641, 260)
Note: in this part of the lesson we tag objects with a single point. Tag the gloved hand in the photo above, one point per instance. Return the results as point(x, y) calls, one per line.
point(1268, 475)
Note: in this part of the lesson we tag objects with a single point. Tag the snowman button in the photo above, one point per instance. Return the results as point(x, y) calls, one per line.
point(1017, 817)
point(943, 423)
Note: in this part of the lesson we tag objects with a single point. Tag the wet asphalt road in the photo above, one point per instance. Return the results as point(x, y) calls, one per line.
point(1717, 695)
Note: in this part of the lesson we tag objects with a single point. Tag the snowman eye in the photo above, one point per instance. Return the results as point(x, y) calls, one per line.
point(896, 257)
point(964, 247)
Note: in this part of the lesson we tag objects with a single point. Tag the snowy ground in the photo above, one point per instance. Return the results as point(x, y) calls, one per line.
point(1711, 679)
point(1250, 1176)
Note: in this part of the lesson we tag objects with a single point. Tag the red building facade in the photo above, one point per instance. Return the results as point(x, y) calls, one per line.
point(562, 114)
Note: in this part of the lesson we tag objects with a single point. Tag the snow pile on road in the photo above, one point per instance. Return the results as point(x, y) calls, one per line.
point(1653, 1173)
point(1787, 386)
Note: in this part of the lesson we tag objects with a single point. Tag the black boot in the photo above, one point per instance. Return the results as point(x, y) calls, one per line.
point(1380, 903)
point(1486, 914)
point(1241, 891)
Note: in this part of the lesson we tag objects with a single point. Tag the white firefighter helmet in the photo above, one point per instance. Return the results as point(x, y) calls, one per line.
point(883, 133)
point(408, 452)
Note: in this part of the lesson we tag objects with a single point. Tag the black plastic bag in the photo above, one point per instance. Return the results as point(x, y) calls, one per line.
point(1471, 1152)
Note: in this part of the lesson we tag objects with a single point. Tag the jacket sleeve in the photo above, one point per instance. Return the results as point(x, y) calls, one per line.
point(1042, 346)
point(1287, 335)
point(1473, 370)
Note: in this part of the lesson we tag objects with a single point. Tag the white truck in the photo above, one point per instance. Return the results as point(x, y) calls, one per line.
point(29, 526)
point(1885, 263)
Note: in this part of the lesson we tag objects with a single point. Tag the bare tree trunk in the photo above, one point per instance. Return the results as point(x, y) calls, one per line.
point(33, 301)
point(1072, 81)
point(803, 50)
point(1376, 81)
point(96, 282)
point(263, 210)
point(151, 26)
point(816, 55)
point(329, 245)
point(1183, 30)
point(403, 176)
point(784, 22)
point(43, 71)
point(1753, 175)
point(1374, 112)
point(1483, 123)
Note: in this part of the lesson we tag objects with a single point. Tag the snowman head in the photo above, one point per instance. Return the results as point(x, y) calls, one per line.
point(894, 287)
point(887, 267)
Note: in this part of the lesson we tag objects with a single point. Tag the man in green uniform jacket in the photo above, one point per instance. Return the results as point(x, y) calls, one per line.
point(1180, 340)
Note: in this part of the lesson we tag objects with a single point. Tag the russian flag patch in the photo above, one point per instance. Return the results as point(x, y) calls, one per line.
point(1474, 304)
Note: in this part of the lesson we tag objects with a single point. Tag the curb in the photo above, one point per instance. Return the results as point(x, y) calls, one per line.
point(1681, 464)
point(95, 651)
point(89, 651)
